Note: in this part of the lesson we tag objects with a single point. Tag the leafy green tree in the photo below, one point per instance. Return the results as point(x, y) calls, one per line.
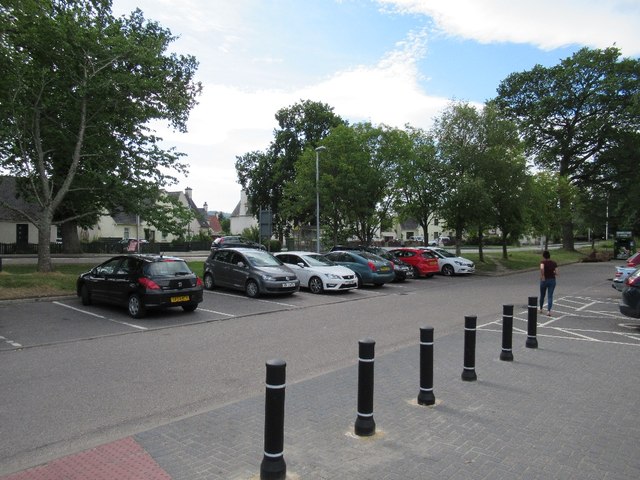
point(78, 92)
point(265, 175)
point(505, 176)
point(459, 140)
point(419, 176)
point(572, 112)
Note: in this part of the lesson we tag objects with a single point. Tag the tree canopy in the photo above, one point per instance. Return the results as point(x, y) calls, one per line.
point(78, 93)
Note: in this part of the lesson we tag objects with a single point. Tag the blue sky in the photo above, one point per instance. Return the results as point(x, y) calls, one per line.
point(385, 61)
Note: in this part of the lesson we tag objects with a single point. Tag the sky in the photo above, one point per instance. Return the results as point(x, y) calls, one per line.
point(392, 62)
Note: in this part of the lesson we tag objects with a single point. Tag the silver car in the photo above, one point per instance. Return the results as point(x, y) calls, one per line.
point(252, 271)
point(318, 273)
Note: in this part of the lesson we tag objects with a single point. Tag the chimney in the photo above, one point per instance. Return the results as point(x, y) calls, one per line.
point(205, 207)
point(187, 192)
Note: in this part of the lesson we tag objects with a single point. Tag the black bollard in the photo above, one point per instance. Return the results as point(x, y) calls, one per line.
point(507, 333)
point(273, 466)
point(365, 424)
point(426, 397)
point(532, 323)
point(469, 367)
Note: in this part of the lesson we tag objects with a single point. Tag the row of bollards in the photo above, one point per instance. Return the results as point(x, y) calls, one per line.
point(273, 466)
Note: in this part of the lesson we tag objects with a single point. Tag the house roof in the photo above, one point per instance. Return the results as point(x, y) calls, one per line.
point(214, 224)
point(9, 196)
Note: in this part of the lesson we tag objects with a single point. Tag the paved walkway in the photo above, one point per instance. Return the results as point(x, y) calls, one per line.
point(566, 410)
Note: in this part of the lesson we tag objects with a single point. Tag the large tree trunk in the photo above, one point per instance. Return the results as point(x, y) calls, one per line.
point(70, 238)
point(44, 246)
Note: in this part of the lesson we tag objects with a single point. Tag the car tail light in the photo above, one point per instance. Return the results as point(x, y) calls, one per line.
point(199, 282)
point(393, 265)
point(372, 265)
point(633, 281)
point(148, 283)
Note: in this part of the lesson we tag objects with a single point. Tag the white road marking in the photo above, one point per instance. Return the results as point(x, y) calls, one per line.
point(132, 325)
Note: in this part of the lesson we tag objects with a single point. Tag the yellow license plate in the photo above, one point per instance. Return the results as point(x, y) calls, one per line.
point(183, 298)
point(384, 269)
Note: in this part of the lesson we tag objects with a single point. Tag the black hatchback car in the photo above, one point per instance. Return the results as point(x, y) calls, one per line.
point(140, 282)
point(630, 301)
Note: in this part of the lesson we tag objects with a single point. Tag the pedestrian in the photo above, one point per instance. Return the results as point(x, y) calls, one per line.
point(548, 273)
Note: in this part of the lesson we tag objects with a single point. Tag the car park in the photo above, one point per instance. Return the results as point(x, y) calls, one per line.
point(369, 268)
point(450, 264)
point(621, 275)
point(424, 263)
point(140, 282)
point(630, 300)
point(250, 270)
point(318, 273)
point(235, 241)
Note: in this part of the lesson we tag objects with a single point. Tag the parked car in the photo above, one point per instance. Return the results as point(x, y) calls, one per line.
point(424, 263)
point(630, 301)
point(235, 241)
point(450, 264)
point(622, 273)
point(250, 270)
point(401, 269)
point(318, 273)
point(634, 260)
point(140, 282)
point(369, 268)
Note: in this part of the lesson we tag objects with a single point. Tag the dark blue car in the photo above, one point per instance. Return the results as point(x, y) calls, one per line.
point(369, 268)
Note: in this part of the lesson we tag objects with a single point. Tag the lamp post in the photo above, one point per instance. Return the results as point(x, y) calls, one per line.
point(318, 150)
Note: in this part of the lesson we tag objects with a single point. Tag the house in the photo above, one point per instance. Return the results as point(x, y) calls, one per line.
point(126, 225)
point(15, 227)
point(240, 217)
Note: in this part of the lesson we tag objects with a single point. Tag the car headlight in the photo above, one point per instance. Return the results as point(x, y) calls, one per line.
point(333, 276)
point(266, 276)
point(459, 263)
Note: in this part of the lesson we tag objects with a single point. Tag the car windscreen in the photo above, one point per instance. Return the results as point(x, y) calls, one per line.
point(445, 253)
point(371, 256)
point(262, 259)
point(318, 261)
point(167, 268)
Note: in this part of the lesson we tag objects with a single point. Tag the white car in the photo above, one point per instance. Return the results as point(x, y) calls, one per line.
point(318, 273)
point(450, 264)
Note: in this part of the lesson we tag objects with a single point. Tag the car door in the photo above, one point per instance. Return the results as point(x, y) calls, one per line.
point(101, 281)
point(124, 279)
point(238, 270)
point(221, 268)
point(293, 262)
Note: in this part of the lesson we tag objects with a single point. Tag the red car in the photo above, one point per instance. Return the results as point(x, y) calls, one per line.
point(634, 260)
point(424, 263)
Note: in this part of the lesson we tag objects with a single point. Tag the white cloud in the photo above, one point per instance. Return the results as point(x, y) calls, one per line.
point(548, 24)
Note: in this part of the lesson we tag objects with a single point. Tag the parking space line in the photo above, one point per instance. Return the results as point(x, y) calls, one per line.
point(248, 299)
point(132, 325)
point(217, 313)
point(11, 342)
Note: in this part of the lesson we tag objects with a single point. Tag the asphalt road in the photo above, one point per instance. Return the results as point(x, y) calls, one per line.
point(74, 377)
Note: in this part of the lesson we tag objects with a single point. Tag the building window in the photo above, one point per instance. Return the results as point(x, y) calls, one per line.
point(126, 233)
point(435, 222)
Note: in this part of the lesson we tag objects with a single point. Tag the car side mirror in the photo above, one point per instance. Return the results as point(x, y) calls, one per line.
point(300, 264)
point(240, 264)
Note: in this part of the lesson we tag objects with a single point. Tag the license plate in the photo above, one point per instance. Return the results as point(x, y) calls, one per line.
point(288, 285)
point(384, 269)
point(182, 298)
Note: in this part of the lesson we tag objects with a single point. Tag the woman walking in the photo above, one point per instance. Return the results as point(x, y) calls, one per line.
point(548, 272)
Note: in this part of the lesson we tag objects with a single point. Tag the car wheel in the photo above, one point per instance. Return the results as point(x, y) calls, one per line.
point(252, 289)
point(190, 307)
point(136, 307)
point(416, 272)
point(447, 270)
point(208, 281)
point(315, 285)
point(85, 295)
point(360, 283)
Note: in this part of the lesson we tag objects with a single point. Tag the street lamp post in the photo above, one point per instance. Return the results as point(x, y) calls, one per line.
point(318, 150)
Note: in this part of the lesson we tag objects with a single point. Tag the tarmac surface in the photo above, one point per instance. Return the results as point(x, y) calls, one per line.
point(564, 410)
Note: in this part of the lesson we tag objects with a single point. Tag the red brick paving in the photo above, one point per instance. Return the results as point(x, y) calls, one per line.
point(122, 460)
